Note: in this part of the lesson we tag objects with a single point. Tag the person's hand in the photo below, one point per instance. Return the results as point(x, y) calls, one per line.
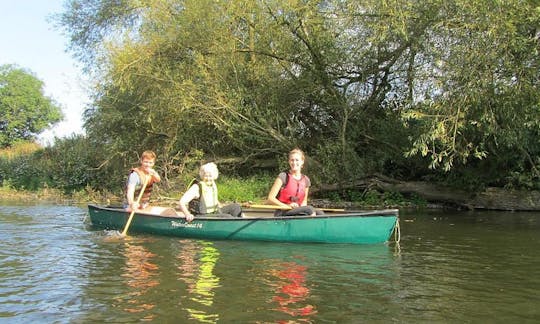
point(132, 207)
point(294, 205)
point(189, 217)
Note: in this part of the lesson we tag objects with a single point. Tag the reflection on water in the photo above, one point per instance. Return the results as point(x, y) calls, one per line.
point(197, 261)
point(291, 290)
point(452, 267)
point(306, 283)
point(140, 274)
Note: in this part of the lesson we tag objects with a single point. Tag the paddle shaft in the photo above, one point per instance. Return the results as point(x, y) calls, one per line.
point(124, 232)
point(288, 208)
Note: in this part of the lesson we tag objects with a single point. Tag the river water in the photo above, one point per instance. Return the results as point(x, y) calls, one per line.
point(449, 267)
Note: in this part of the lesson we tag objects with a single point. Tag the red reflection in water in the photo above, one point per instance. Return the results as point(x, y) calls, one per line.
point(139, 272)
point(291, 290)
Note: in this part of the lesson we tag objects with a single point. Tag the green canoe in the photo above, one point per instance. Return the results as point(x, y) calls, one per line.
point(346, 227)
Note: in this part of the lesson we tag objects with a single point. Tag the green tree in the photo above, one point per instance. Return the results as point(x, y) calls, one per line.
point(24, 108)
point(476, 83)
point(363, 86)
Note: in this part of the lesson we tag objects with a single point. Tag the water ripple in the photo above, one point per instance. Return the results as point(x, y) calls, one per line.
point(448, 269)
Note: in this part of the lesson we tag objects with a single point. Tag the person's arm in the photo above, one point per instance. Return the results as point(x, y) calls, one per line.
point(304, 202)
point(130, 191)
point(272, 195)
point(155, 175)
point(306, 191)
point(219, 204)
point(192, 193)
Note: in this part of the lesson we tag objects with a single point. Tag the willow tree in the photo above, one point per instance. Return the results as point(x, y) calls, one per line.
point(477, 99)
point(355, 83)
point(475, 82)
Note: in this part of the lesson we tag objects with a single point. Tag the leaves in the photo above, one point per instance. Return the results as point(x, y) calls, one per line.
point(255, 78)
point(24, 108)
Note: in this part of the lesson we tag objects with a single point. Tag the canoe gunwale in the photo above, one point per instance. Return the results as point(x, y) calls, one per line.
point(370, 213)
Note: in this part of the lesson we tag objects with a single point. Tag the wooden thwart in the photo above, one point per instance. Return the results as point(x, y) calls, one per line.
point(256, 206)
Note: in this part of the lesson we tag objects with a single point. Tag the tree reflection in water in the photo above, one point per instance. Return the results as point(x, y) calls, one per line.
point(291, 290)
point(140, 274)
point(197, 262)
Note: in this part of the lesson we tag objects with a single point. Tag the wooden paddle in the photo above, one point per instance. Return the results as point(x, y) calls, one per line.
point(124, 232)
point(287, 207)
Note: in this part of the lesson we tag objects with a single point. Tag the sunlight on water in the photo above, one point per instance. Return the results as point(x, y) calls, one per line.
point(197, 260)
point(42, 261)
point(450, 267)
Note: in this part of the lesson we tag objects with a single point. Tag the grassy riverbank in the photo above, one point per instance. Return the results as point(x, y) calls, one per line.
point(251, 189)
point(41, 195)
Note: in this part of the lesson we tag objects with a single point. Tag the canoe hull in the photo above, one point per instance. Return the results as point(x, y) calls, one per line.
point(359, 228)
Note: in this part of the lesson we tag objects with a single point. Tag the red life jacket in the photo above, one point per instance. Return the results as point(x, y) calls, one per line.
point(145, 198)
point(293, 190)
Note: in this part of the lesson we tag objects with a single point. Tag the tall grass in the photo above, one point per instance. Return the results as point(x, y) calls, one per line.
point(253, 188)
point(22, 148)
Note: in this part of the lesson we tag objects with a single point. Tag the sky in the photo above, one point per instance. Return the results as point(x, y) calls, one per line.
point(29, 40)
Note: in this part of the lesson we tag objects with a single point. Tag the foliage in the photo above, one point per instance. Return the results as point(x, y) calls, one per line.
point(374, 198)
point(26, 172)
point(24, 108)
point(414, 89)
point(20, 148)
point(71, 164)
point(479, 79)
point(253, 189)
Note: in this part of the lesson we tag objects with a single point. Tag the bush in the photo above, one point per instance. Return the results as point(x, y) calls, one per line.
point(253, 188)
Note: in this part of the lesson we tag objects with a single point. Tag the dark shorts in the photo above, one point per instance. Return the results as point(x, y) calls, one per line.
point(299, 211)
point(232, 210)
